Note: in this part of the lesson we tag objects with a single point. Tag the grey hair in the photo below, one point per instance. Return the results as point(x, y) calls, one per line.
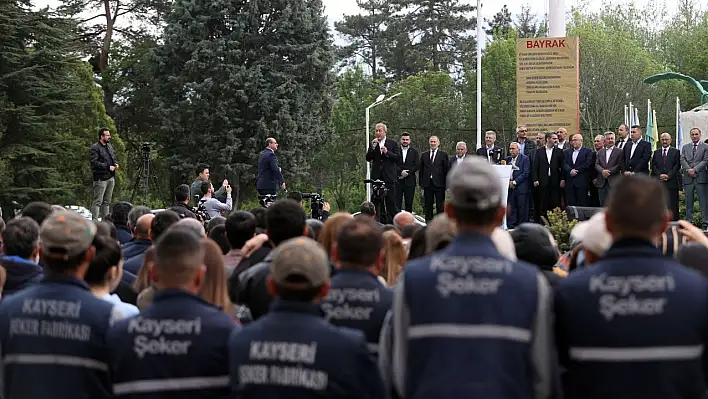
point(461, 142)
point(608, 133)
point(385, 128)
point(518, 146)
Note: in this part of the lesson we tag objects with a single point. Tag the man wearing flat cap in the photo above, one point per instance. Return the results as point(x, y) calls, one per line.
point(292, 351)
point(467, 299)
point(54, 332)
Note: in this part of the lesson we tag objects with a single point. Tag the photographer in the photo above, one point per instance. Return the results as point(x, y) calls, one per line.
point(318, 206)
point(213, 206)
point(385, 158)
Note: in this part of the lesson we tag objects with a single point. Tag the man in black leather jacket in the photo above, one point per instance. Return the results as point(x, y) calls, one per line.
point(103, 165)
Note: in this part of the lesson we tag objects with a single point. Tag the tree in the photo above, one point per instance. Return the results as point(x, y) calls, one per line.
point(439, 31)
point(499, 87)
point(500, 23)
point(230, 74)
point(526, 24)
point(365, 33)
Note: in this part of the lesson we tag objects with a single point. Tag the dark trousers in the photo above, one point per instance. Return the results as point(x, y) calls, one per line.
point(548, 199)
point(536, 205)
point(673, 194)
point(405, 191)
point(577, 196)
point(266, 192)
point(603, 192)
point(594, 197)
point(518, 205)
point(431, 194)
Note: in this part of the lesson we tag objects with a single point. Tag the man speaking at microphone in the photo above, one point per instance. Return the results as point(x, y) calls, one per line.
point(385, 158)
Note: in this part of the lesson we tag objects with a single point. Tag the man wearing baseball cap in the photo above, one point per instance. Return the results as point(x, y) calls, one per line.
point(52, 334)
point(292, 351)
point(468, 299)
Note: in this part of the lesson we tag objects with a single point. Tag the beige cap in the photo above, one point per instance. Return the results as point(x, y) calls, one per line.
point(302, 257)
point(65, 234)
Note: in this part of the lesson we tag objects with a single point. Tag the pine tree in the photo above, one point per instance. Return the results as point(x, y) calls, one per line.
point(365, 33)
point(43, 107)
point(440, 33)
point(500, 23)
point(232, 73)
point(526, 24)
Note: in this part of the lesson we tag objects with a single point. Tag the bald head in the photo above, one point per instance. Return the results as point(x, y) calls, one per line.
point(191, 224)
point(665, 139)
point(403, 219)
point(142, 226)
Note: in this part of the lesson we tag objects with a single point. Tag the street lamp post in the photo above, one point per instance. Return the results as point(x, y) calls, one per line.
point(479, 73)
point(379, 100)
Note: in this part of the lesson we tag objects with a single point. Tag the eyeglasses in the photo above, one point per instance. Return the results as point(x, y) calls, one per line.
point(523, 131)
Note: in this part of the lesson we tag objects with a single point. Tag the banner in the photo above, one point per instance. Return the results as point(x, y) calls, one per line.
point(548, 84)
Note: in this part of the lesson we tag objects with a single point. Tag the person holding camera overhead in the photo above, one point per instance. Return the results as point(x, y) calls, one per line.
point(269, 175)
point(385, 157)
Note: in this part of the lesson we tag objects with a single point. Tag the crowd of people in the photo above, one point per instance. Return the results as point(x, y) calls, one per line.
point(551, 170)
point(271, 303)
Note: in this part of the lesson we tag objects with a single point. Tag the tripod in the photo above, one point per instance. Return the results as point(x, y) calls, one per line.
point(378, 198)
point(146, 176)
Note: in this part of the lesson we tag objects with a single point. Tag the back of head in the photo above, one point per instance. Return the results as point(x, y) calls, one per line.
point(532, 244)
point(218, 235)
point(410, 230)
point(192, 224)
point(179, 256)
point(637, 208)
point(315, 227)
point(368, 208)
point(143, 225)
point(359, 243)
point(214, 289)
point(596, 238)
point(390, 227)
point(120, 213)
point(295, 196)
point(504, 243)
point(330, 229)
point(38, 211)
point(108, 254)
point(135, 214)
point(213, 222)
point(240, 227)
point(204, 187)
point(21, 238)
point(259, 214)
point(299, 270)
point(285, 219)
point(182, 193)
point(403, 219)
point(475, 199)
point(418, 244)
point(694, 255)
point(161, 222)
point(395, 256)
point(66, 241)
point(105, 228)
point(440, 233)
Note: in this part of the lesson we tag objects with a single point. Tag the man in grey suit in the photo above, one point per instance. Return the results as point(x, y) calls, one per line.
point(607, 165)
point(694, 159)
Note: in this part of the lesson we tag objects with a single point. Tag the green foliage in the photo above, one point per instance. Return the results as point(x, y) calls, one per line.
point(500, 23)
point(226, 78)
point(365, 34)
point(499, 88)
point(697, 220)
point(560, 227)
point(50, 110)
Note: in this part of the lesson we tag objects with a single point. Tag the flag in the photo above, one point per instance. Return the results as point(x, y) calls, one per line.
point(630, 120)
point(626, 115)
point(655, 131)
point(648, 133)
point(679, 129)
point(636, 117)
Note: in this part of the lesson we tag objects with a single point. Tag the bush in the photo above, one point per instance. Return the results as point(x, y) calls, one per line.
point(696, 209)
point(560, 227)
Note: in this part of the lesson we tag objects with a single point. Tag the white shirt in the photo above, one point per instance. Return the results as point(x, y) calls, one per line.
point(404, 153)
point(634, 146)
point(489, 156)
point(382, 144)
point(432, 155)
point(621, 143)
point(608, 154)
point(575, 155)
point(549, 155)
point(460, 159)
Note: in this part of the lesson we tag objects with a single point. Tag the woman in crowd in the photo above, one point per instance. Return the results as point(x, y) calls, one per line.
point(105, 271)
point(328, 235)
point(394, 257)
point(214, 289)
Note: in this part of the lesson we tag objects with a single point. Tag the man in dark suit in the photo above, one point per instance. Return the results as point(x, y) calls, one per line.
point(577, 165)
point(598, 144)
point(637, 154)
point(460, 153)
point(269, 176)
point(562, 143)
point(519, 187)
point(491, 152)
point(666, 166)
point(385, 157)
point(607, 165)
point(547, 175)
point(434, 165)
point(527, 146)
point(410, 163)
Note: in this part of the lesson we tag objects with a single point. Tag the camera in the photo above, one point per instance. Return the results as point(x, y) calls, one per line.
point(316, 203)
point(267, 200)
point(145, 149)
point(378, 188)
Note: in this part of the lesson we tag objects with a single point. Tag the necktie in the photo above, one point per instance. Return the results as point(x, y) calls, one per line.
point(621, 146)
point(695, 148)
point(664, 156)
point(432, 156)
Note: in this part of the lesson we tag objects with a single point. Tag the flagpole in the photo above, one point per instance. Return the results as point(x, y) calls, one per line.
point(479, 73)
point(631, 116)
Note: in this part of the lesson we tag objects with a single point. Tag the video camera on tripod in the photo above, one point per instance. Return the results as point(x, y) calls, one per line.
point(267, 200)
point(378, 187)
point(317, 201)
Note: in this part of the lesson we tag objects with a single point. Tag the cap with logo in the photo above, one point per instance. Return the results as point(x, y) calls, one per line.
point(473, 184)
point(300, 257)
point(65, 234)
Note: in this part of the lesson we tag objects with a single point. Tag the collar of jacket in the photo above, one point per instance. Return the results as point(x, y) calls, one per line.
point(61, 278)
point(632, 248)
point(174, 293)
point(356, 272)
point(280, 305)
